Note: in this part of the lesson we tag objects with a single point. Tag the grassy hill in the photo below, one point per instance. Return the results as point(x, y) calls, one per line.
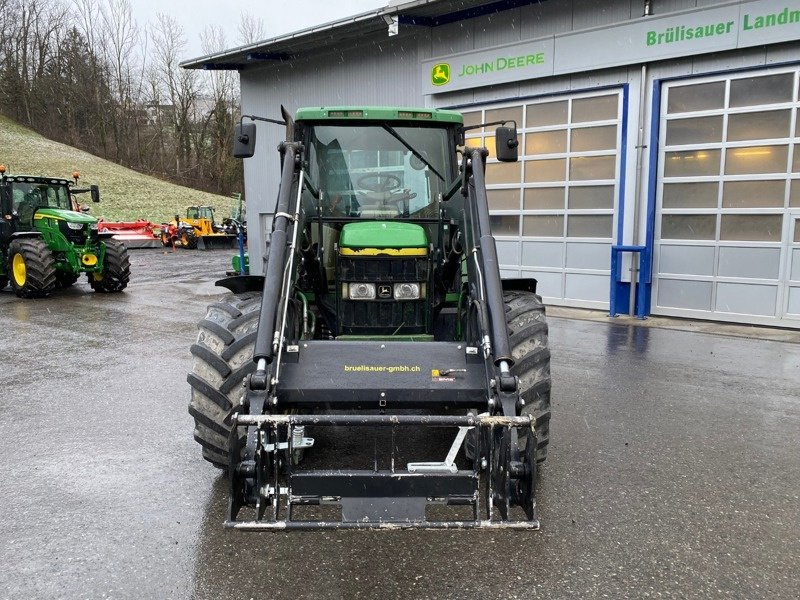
point(125, 194)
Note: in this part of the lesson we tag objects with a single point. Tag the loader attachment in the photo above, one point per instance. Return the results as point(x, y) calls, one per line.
point(391, 498)
point(217, 242)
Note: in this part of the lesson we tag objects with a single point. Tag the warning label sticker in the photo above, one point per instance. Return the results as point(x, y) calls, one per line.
point(437, 376)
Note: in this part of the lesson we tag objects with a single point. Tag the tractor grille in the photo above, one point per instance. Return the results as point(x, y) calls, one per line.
point(382, 316)
point(381, 268)
point(77, 236)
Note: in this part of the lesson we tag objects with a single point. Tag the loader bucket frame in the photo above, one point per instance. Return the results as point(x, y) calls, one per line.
point(386, 499)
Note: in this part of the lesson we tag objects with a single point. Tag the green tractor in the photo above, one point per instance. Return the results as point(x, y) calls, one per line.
point(47, 240)
point(380, 325)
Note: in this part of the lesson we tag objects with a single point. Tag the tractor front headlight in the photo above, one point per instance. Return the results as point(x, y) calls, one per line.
point(75, 226)
point(406, 291)
point(361, 291)
point(93, 226)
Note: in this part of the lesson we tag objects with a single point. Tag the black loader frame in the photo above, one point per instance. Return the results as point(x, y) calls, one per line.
point(298, 383)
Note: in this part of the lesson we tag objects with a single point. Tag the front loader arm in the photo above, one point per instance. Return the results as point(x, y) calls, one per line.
point(483, 251)
point(273, 280)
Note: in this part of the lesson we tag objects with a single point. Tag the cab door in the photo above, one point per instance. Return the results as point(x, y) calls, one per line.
point(6, 214)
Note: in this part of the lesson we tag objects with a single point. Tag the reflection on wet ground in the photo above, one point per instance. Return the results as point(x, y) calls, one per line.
point(673, 468)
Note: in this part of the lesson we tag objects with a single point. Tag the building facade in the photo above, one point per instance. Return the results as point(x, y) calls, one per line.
point(660, 136)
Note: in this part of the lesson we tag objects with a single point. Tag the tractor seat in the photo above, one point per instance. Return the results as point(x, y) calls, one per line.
point(25, 211)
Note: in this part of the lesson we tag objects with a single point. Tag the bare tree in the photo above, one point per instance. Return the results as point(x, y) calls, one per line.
point(251, 29)
point(179, 85)
point(120, 40)
point(219, 121)
point(88, 14)
point(83, 72)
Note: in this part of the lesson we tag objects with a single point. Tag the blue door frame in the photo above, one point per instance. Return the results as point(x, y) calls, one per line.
point(619, 298)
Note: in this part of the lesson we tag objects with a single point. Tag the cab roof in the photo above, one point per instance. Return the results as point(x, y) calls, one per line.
point(379, 113)
point(36, 179)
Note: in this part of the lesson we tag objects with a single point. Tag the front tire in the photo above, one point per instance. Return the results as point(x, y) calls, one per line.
point(528, 338)
point(32, 268)
point(189, 240)
point(116, 271)
point(223, 357)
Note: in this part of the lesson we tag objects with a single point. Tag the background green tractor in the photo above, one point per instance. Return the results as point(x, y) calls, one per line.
point(47, 240)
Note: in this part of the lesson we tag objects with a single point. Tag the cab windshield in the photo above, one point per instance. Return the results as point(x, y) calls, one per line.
point(379, 171)
point(29, 196)
point(199, 212)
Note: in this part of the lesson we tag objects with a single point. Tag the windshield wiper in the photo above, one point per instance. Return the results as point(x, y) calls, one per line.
point(413, 151)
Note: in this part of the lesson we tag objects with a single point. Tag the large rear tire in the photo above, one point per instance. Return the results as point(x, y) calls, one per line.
point(31, 267)
point(223, 357)
point(116, 271)
point(528, 337)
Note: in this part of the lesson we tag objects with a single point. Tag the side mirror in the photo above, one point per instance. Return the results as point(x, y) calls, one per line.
point(507, 144)
point(94, 191)
point(244, 140)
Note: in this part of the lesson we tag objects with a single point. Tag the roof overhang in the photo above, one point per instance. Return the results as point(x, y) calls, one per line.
point(419, 13)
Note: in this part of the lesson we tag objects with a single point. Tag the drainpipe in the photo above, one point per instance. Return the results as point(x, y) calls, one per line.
point(640, 148)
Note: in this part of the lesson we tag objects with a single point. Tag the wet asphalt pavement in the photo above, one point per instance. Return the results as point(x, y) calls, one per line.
point(674, 468)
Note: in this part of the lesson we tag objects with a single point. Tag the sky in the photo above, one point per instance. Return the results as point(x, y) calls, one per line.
point(279, 17)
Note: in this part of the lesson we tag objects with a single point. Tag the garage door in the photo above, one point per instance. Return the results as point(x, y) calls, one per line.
point(728, 192)
point(553, 212)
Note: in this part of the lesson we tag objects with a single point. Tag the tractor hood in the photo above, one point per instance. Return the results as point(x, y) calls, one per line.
point(64, 215)
point(383, 234)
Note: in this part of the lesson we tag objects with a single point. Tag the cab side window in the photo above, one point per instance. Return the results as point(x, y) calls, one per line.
point(17, 196)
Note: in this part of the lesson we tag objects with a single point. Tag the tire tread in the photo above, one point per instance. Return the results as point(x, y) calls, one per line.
point(222, 358)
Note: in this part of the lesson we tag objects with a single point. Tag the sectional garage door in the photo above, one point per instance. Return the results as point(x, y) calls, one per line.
point(728, 199)
point(553, 212)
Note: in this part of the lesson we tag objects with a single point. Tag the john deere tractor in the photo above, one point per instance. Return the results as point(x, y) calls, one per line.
point(47, 241)
point(381, 323)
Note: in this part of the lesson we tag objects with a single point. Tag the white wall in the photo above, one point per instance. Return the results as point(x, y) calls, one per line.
point(385, 71)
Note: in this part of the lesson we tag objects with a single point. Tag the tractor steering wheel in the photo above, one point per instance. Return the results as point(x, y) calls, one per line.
point(379, 182)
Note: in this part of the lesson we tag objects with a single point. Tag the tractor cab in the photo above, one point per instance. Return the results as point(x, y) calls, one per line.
point(26, 200)
point(376, 179)
point(200, 212)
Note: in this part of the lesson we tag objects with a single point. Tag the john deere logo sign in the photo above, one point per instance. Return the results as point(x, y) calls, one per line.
point(440, 74)
point(488, 67)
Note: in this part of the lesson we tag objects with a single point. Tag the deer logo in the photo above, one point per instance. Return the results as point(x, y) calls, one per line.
point(440, 74)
